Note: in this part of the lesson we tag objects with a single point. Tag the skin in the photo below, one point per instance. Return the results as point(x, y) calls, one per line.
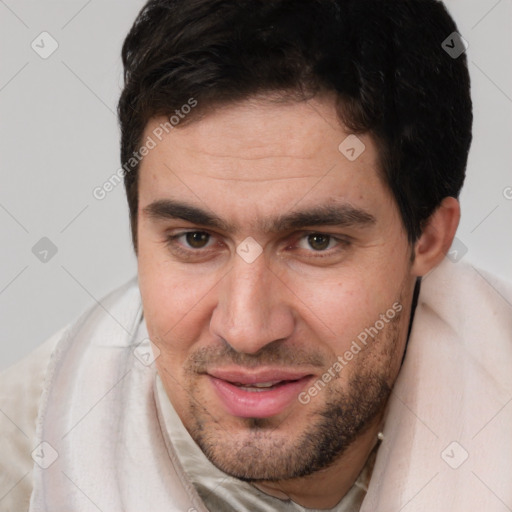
point(290, 308)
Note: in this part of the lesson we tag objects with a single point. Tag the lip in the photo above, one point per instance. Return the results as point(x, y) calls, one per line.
point(261, 402)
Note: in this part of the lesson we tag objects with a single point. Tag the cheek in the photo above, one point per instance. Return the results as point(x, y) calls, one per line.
point(175, 302)
point(340, 306)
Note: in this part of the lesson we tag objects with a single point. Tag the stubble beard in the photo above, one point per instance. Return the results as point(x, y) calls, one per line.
point(261, 450)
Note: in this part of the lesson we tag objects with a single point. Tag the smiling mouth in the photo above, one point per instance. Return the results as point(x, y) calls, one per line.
point(261, 394)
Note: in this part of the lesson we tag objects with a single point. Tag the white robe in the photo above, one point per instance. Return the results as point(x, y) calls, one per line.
point(447, 437)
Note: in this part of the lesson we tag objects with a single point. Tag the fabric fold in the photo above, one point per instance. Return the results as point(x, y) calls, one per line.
point(447, 438)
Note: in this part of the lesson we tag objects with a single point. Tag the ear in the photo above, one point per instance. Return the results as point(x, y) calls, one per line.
point(436, 237)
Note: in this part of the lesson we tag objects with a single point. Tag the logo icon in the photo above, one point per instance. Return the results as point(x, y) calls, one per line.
point(146, 352)
point(454, 455)
point(44, 250)
point(456, 251)
point(352, 147)
point(44, 45)
point(454, 45)
point(249, 249)
point(44, 455)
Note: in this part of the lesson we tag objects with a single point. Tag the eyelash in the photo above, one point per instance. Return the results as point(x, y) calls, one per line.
point(171, 242)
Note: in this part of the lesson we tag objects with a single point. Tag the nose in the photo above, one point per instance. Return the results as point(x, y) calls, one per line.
point(252, 310)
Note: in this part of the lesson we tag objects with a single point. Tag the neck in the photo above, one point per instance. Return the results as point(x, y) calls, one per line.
point(326, 488)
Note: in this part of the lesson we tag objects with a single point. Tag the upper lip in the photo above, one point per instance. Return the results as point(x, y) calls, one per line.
point(248, 377)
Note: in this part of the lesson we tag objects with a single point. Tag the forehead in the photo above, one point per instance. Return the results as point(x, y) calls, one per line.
point(258, 153)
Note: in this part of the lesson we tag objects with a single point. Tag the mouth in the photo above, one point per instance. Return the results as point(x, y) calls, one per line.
point(259, 394)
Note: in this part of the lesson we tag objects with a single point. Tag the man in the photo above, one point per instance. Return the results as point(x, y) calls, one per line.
point(292, 171)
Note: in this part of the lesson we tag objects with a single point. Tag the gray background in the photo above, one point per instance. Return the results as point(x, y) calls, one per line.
point(59, 140)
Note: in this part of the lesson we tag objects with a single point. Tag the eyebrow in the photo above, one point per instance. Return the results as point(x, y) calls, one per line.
point(340, 215)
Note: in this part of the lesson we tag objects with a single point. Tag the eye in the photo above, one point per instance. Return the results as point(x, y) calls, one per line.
point(192, 240)
point(197, 239)
point(320, 242)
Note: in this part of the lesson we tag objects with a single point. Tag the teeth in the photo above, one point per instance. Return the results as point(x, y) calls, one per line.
point(258, 385)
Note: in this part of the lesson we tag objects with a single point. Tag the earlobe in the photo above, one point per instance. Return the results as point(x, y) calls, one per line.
point(436, 237)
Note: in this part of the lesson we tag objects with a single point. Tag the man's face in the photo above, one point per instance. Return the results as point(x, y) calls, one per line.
point(254, 313)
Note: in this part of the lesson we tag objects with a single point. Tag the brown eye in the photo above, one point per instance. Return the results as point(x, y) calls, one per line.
point(319, 242)
point(197, 239)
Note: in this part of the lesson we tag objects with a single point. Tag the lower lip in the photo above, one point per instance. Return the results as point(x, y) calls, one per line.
point(257, 404)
